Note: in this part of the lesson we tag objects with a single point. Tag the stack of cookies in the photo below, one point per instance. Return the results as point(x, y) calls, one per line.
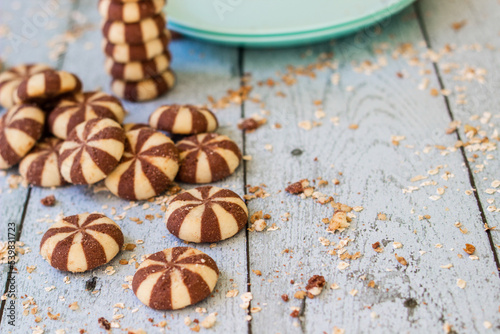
point(136, 41)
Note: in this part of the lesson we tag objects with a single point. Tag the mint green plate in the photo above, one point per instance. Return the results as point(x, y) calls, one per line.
point(269, 23)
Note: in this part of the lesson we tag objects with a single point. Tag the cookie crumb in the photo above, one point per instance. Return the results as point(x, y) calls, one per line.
point(297, 187)
point(209, 321)
point(48, 201)
point(103, 323)
point(315, 285)
point(300, 295)
point(401, 260)
point(250, 124)
point(469, 249)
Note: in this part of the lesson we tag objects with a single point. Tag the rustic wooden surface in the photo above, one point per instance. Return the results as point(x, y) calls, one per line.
point(420, 297)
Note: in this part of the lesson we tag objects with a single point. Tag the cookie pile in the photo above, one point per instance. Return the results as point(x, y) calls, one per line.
point(88, 143)
point(84, 141)
point(204, 156)
point(29, 92)
point(135, 44)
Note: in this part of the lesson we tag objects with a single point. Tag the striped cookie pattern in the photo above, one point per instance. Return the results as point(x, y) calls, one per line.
point(128, 12)
point(145, 89)
point(20, 127)
point(124, 53)
point(138, 70)
point(206, 214)
point(46, 85)
point(118, 32)
point(134, 126)
point(183, 119)
point(40, 167)
point(12, 78)
point(92, 151)
point(207, 157)
point(81, 242)
point(148, 166)
point(80, 107)
point(175, 278)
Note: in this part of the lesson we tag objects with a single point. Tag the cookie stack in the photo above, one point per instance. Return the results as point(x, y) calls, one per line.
point(136, 41)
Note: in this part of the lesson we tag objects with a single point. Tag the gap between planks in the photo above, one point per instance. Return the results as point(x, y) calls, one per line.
point(425, 34)
point(59, 65)
point(241, 73)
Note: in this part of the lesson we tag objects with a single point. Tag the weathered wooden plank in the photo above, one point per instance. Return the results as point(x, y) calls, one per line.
point(27, 34)
point(26, 38)
point(202, 70)
point(419, 297)
point(475, 53)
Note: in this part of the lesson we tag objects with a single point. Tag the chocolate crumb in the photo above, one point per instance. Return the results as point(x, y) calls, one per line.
point(295, 314)
point(377, 247)
point(48, 201)
point(315, 285)
point(103, 323)
point(285, 297)
point(297, 187)
point(249, 125)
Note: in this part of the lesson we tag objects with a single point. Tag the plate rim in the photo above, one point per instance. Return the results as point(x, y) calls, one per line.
point(274, 40)
point(391, 10)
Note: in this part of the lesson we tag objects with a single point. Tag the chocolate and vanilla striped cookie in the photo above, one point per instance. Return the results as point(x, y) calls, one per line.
point(125, 53)
point(207, 157)
point(46, 85)
point(118, 32)
point(81, 242)
point(145, 89)
point(148, 166)
point(183, 119)
point(12, 78)
point(128, 12)
point(206, 214)
point(134, 126)
point(92, 151)
point(80, 107)
point(40, 167)
point(175, 278)
point(20, 127)
point(138, 70)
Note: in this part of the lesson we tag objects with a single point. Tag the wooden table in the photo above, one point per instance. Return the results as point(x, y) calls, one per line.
point(421, 196)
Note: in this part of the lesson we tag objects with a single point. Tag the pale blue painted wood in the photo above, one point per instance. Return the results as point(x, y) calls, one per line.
point(202, 70)
point(421, 297)
point(26, 33)
point(418, 298)
point(480, 18)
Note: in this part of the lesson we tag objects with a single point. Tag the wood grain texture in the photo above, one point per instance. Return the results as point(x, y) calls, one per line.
point(26, 41)
point(476, 46)
point(202, 70)
point(420, 297)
